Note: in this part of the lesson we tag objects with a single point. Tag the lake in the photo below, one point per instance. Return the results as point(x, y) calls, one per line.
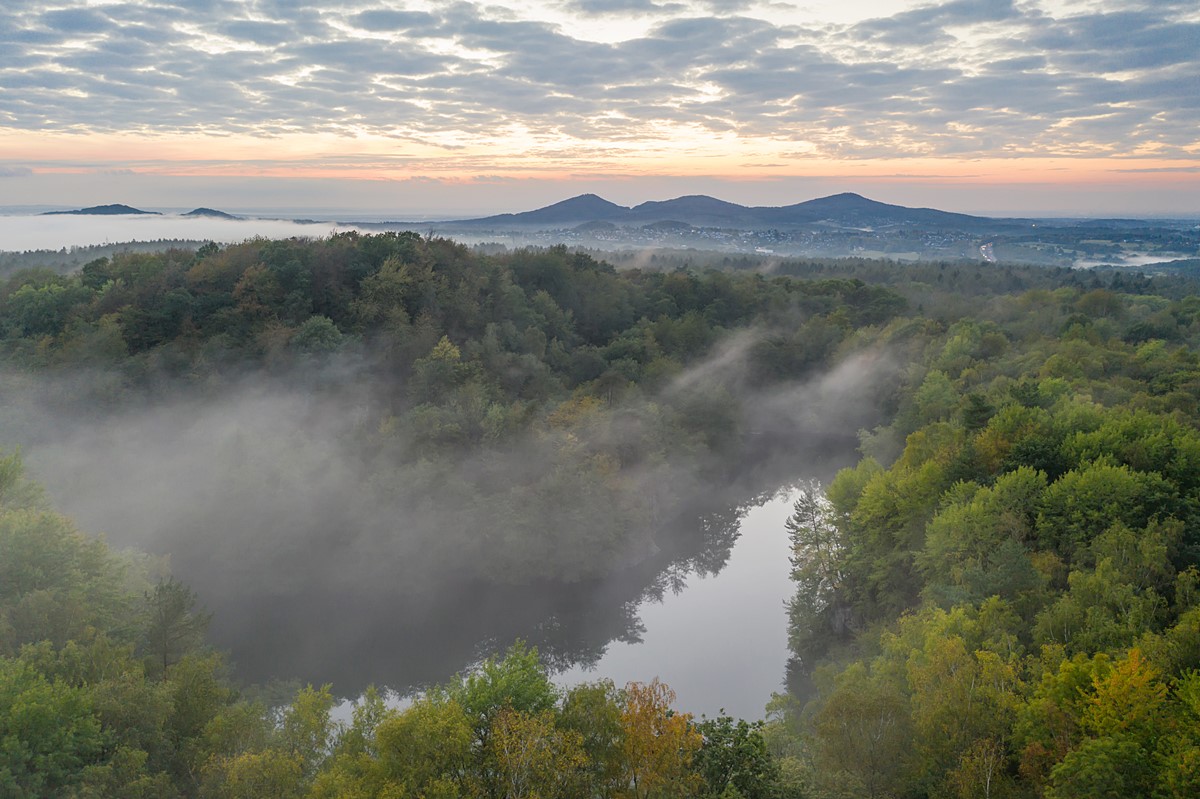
point(720, 642)
point(706, 616)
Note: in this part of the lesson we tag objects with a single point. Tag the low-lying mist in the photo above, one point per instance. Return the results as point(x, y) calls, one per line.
point(18, 233)
point(327, 551)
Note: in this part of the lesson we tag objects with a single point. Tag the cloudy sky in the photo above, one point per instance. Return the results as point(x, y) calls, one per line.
point(992, 106)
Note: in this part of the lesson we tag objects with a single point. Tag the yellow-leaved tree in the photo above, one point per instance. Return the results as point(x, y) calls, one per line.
point(658, 744)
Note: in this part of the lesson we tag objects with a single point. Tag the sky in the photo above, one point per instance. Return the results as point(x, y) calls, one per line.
point(1071, 107)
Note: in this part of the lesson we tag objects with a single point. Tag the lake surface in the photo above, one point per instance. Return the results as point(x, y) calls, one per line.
point(721, 642)
point(706, 616)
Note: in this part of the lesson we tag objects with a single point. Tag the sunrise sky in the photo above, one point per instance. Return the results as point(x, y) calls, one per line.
point(426, 108)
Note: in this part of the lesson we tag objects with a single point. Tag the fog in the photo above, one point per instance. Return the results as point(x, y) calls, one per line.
point(23, 232)
point(328, 555)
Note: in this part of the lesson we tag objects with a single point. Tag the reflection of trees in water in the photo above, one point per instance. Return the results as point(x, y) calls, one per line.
point(407, 640)
point(682, 555)
point(719, 530)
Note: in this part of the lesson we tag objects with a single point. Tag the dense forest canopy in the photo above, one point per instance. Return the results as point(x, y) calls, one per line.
point(998, 600)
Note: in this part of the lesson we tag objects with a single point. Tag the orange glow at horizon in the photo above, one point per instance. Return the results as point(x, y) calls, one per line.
point(374, 158)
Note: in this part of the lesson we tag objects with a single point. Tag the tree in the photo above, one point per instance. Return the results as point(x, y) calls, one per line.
point(1113, 767)
point(426, 747)
point(815, 611)
point(982, 772)
point(173, 625)
point(318, 334)
point(48, 733)
point(253, 775)
point(519, 682)
point(307, 731)
point(658, 744)
point(593, 710)
point(817, 544)
point(864, 730)
point(534, 758)
point(734, 755)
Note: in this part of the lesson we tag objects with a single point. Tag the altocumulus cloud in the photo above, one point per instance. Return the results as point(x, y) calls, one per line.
point(970, 77)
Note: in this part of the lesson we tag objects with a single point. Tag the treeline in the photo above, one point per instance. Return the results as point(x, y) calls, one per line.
point(263, 298)
point(942, 288)
point(107, 690)
point(1002, 599)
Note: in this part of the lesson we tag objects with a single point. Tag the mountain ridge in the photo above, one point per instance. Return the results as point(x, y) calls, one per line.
point(845, 209)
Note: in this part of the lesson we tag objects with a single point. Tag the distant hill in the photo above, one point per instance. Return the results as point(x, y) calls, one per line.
point(104, 210)
point(840, 210)
point(855, 210)
point(577, 210)
point(696, 209)
point(210, 212)
point(596, 226)
point(668, 225)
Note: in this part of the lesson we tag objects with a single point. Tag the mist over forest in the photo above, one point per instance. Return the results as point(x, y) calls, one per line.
point(326, 469)
point(599, 399)
point(285, 467)
point(274, 497)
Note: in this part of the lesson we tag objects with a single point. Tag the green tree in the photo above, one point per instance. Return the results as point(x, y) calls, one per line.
point(734, 755)
point(49, 735)
point(426, 749)
point(173, 625)
point(864, 730)
point(593, 710)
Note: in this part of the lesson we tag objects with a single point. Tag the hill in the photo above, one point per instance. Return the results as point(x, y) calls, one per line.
point(104, 210)
point(210, 212)
point(855, 210)
point(576, 210)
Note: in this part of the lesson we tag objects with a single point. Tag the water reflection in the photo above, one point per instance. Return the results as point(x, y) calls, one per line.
point(706, 615)
point(390, 638)
point(721, 644)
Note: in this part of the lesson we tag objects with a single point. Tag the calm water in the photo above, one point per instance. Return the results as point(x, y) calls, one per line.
point(707, 617)
point(721, 642)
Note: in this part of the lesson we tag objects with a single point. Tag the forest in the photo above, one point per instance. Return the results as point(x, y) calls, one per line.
point(998, 600)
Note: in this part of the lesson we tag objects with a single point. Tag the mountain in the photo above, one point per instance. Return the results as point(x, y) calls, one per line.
point(846, 210)
point(209, 212)
point(854, 210)
point(584, 208)
point(104, 210)
point(696, 209)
